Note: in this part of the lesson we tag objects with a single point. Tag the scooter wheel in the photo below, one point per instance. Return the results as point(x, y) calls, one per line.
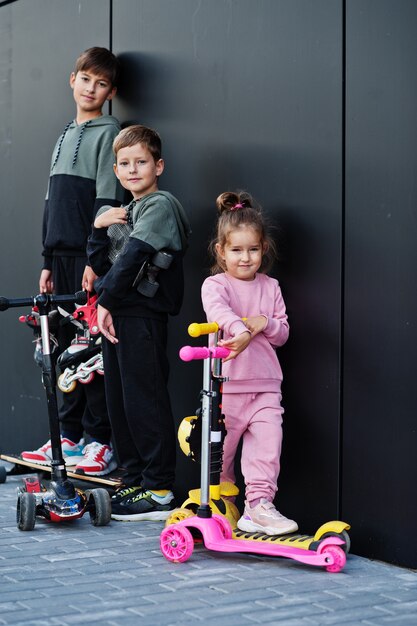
point(224, 526)
point(26, 511)
point(176, 543)
point(178, 515)
point(66, 388)
point(344, 535)
point(339, 558)
point(87, 379)
point(99, 507)
point(3, 474)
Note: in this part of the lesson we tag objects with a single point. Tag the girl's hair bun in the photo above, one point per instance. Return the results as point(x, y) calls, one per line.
point(231, 201)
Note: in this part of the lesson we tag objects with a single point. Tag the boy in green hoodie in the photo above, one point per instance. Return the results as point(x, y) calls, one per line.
point(81, 181)
point(123, 247)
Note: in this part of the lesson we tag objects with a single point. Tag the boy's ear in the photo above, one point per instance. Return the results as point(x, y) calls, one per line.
point(160, 165)
point(112, 93)
point(72, 80)
point(115, 169)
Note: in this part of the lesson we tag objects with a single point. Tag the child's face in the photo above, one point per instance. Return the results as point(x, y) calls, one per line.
point(242, 252)
point(91, 91)
point(137, 170)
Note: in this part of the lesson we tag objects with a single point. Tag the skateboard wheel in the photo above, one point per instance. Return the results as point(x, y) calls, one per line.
point(3, 474)
point(26, 511)
point(99, 507)
point(162, 260)
point(148, 289)
point(176, 543)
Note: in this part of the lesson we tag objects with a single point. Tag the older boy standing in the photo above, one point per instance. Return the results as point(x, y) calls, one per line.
point(81, 181)
point(135, 325)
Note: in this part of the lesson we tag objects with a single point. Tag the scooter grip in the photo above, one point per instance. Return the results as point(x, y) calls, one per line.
point(195, 330)
point(6, 303)
point(77, 298)
point(190, 353)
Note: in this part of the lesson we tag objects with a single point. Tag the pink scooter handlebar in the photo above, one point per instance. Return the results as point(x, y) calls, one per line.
point(190, 353)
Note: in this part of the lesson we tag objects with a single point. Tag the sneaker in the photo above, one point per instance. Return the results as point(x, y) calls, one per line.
point(143, 506)
point(122, 492)
point(266, 519)
point(72, 453)
point(98, 460)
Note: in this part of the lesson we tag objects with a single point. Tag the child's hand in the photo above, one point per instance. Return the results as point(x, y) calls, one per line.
point(256, 324)
point(89, 276)
point(115, 215)
point(105, 324)
point(236, 344)
point(46, 284)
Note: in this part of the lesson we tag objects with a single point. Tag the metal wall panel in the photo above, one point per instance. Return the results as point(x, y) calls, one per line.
point(39, 42)
point(380, 335)
point(248, 95)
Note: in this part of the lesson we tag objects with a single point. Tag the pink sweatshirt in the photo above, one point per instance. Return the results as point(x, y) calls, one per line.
point(225, 301)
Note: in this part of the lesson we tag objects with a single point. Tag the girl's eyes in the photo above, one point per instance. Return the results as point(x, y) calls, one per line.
point(257, 249)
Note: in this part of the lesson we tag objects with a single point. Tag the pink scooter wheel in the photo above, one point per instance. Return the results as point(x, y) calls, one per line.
point(176, 543)
point(224, 526)
point(338, 555)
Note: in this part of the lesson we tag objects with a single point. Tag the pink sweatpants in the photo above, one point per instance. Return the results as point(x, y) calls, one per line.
point(257, 419)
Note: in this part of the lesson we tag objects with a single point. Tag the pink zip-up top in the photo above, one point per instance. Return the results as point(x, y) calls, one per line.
point(226, 300)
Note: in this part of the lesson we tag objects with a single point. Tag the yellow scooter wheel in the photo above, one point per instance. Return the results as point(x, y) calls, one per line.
point(178, 515)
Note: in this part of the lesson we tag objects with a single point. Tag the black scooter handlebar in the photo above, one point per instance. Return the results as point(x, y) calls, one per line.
point(43, 299)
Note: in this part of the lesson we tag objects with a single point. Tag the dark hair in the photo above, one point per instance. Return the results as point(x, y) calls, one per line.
point(100, 61)
point(238, 209)
point(139, 134)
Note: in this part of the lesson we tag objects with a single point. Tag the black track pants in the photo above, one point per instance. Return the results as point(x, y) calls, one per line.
point(136, 375)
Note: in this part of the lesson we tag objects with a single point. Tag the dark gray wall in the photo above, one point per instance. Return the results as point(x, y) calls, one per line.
point(247, 94)
point(380, 303)
point(253, 95)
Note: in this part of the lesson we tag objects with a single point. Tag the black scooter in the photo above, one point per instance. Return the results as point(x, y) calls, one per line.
point(61, 501)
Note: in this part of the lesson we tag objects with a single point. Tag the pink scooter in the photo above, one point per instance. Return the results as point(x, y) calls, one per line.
point(177, 541)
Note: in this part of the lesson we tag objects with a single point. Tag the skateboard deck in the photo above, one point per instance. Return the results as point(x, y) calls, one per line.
point(114, 479)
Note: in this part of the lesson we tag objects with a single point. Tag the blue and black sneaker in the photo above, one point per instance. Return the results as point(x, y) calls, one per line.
point(143, 505)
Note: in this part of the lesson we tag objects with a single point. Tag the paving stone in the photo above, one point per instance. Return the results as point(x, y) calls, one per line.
point(51, 576)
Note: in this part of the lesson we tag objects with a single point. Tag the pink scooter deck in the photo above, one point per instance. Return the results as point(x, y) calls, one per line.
point(177, 544)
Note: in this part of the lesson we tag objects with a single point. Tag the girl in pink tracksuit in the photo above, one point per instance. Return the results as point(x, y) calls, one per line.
point(249, 308)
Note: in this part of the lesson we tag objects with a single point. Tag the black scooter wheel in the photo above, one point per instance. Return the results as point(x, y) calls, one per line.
point(99, 507)
point(26, 511)
point(3, 474)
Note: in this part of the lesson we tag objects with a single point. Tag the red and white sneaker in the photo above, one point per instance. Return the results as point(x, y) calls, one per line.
point(72, 453)
point(98, 460)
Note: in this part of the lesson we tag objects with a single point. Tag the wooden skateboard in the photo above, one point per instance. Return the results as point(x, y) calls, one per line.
point(20, 466)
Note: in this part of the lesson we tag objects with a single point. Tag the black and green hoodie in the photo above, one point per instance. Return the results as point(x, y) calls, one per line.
point(81, 181)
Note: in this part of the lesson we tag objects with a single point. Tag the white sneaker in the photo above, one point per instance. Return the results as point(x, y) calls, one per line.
point(98, 460)
point(72, 453)
point(266, 519)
